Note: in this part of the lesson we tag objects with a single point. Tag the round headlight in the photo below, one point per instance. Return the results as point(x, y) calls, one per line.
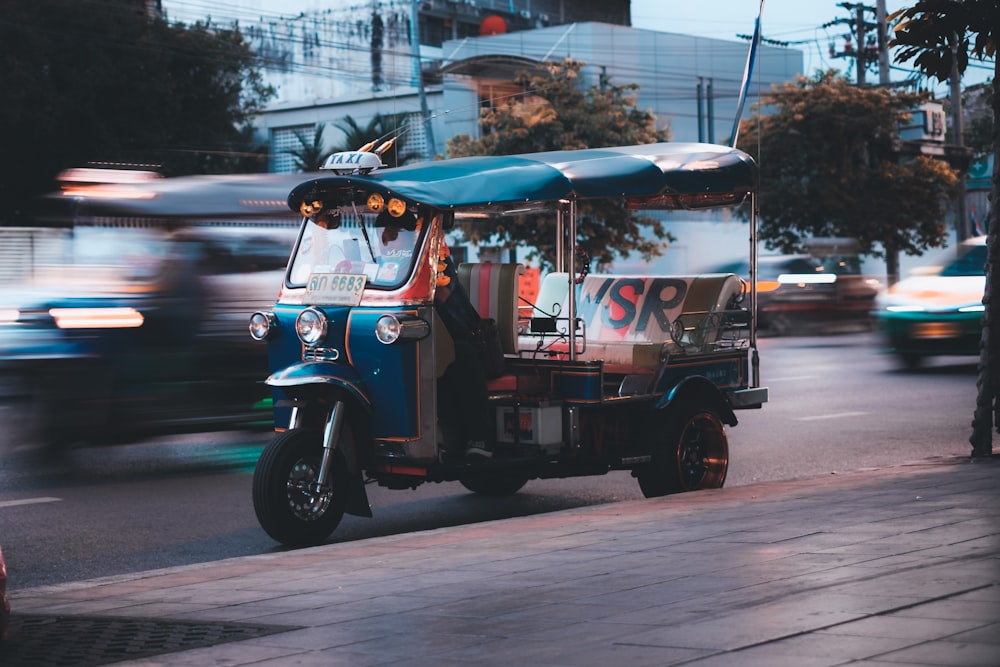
point(387, 329)
point(397, 207)
point(311, 325)
point(260, 325)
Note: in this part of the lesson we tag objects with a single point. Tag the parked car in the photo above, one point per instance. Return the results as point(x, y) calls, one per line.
point(938, 309)
point(798, 293)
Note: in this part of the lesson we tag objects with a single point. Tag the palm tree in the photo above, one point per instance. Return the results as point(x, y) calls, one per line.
point(939, 35)
point(310, 153)
point(380, 128)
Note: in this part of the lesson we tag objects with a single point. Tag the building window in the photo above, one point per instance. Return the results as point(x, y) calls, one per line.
point(284, 141)
point(416, 138)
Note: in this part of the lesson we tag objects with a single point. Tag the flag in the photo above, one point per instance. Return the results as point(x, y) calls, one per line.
point(747, 72)
point(977, 228)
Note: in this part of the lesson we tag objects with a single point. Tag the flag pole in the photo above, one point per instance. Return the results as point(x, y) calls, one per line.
point(747, 72)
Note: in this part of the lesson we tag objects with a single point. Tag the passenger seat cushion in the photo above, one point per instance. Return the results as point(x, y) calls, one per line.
point(628, 319)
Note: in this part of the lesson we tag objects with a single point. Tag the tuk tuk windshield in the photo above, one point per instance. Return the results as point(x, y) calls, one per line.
point(382, 249)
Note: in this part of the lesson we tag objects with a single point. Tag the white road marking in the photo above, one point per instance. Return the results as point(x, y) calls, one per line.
point(835, 415)
point(28, 501)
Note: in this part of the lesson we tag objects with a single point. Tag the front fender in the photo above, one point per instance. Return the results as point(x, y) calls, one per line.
point(702, 391)
point(323, 372)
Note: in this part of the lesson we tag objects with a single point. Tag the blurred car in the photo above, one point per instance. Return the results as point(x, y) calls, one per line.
point(938, 309)
point(798, 293)
point(137, 332)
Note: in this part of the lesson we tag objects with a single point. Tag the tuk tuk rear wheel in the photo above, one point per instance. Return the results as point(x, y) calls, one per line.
point(695, 455)
point(288, 508)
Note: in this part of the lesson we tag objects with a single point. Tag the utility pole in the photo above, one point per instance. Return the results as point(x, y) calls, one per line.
point(860, 45)
point(418, 75)
point(883, 42)
point(701, 110)
point(859, 32)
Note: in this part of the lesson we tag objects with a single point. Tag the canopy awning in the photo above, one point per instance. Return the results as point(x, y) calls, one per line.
point(647, 176)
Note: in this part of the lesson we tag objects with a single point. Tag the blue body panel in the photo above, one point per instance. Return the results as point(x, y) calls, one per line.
point(383, 378)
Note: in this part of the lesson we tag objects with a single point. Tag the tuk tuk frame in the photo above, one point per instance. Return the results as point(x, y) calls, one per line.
point(351, 409)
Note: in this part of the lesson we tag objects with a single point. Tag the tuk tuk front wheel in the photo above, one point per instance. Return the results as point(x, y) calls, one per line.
point(288, 506)
point(694, 456)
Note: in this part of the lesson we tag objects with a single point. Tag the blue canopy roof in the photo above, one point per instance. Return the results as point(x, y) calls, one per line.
point(644, 174)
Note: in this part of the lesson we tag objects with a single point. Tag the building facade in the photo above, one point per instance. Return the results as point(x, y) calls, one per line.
point(438, 61)
point(690, 83)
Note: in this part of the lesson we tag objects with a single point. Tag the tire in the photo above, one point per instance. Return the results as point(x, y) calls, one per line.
point(693, 456)
point(495, 486)
point(285, 508)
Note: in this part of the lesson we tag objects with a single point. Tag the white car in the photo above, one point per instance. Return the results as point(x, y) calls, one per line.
point(938, 310)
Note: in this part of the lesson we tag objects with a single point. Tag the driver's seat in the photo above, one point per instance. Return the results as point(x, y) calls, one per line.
point(493, 289)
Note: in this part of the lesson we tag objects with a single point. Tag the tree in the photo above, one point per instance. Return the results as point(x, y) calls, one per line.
point(310, 153)
point(557, 114)
point(829, 166)
point(103, 81)
point(939, 36)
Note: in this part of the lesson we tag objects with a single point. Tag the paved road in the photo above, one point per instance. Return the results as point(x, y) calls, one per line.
point(836, 405)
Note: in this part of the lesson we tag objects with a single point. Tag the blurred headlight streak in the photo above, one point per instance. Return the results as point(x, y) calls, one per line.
point(96, 318)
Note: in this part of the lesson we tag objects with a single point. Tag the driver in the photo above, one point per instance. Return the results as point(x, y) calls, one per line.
point(462, 395)
point(463, 409)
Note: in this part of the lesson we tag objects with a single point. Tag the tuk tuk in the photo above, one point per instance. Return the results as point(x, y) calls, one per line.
point(600, 373)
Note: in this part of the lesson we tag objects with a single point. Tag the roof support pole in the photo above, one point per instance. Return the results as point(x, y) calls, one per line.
point(755, 357)
point(571, 265)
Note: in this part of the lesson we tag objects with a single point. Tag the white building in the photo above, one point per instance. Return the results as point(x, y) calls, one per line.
point(690, 83)
point(357, 61)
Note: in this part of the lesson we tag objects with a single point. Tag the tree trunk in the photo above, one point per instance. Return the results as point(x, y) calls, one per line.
point(891, 264)
point(987, 413)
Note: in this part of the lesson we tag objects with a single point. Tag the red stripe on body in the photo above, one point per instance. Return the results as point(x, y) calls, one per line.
point(484, 290)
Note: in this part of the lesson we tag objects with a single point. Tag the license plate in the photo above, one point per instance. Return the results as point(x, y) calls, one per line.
point(335, 289)
point(936, 330)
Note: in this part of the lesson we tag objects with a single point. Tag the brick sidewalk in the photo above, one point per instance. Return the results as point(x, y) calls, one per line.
point(895, 566)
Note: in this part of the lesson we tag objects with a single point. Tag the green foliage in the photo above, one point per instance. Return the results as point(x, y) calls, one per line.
point(102, 81)
point(380, 128)
point(828, 167)
point(556, 113)
point(310, 153)
point(934, 33)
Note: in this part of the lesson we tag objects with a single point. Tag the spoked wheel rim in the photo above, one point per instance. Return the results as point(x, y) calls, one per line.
point(703, 452)
point(289, 506)
point(304, 501)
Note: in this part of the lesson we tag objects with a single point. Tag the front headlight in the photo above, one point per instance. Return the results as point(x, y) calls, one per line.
point(9, 315)
point(261, 323)
point(389, 328)
point(311, 326)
